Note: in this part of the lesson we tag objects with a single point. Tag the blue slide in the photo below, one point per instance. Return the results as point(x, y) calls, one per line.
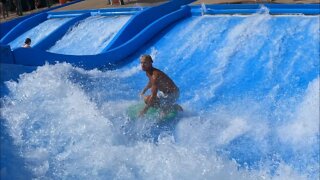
point(140, 28)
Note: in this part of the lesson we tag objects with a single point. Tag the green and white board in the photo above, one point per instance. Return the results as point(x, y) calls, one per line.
point(152, 113)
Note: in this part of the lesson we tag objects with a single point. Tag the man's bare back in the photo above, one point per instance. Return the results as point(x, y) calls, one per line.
point(162, 81)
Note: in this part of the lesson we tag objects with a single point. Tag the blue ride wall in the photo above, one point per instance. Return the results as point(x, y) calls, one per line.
point(143, 19)
point(142, 27)
point(307, 9)
point(6, 55)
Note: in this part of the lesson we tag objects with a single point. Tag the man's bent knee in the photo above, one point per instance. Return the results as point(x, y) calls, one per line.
point(146, 99)
point(155, 103)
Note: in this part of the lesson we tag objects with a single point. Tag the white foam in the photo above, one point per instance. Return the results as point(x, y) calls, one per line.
point(303, 130)
point(47, 111)
point(63, 133)
point(238, 126)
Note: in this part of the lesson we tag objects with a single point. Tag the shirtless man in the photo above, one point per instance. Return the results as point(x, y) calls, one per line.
point(27, 43)
point(158, 81)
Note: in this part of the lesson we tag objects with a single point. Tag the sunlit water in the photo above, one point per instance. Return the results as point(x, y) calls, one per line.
point(39, 32)
point(249, 88)
point(89, 36)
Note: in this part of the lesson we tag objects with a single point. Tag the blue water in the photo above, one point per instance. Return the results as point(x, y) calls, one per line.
point(90, 36)
point(249, 87)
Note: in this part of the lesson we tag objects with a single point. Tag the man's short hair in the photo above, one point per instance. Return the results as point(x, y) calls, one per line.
point(147, 57)
point(27, 41)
